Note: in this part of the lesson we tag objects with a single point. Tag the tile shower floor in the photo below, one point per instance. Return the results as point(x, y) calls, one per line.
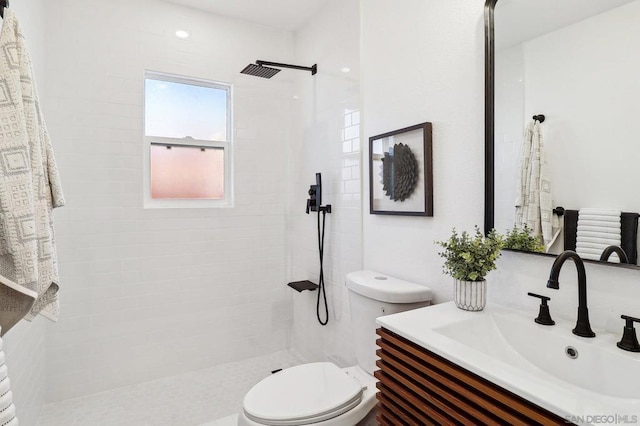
point(208, 397)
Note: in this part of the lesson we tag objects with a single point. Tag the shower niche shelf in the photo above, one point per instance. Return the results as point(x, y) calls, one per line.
point(300, 286)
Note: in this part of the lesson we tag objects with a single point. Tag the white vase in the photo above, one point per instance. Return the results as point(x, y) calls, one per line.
point(470, 295)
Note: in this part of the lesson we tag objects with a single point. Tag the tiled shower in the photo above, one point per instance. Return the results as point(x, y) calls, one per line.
point(151, 293)
point(155, 292)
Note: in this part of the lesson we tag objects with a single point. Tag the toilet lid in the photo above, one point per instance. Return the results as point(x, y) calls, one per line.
point(302, 395)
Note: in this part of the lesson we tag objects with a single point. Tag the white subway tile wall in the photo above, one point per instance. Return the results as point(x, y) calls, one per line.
point(151, 293)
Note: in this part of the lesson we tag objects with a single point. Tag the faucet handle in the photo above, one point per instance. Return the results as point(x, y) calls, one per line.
point(629, 341)
point(544, 299)
point(630, 320)
point(544, 316)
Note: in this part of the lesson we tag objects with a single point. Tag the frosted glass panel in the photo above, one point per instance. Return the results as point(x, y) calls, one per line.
point(187, 172)
point(178, 110)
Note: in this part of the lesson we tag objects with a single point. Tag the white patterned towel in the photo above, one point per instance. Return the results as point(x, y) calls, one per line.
point(29, 189)
point(534, 204)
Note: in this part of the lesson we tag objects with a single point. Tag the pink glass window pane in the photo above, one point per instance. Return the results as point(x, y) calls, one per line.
point(187, 172)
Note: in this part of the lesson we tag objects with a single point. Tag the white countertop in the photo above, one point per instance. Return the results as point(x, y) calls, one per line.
point(509, 370)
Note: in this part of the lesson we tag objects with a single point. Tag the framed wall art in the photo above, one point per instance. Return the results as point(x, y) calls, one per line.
point(401, 172)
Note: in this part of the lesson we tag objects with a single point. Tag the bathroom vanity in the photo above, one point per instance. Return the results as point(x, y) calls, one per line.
point(419, 387)
point(443, 365)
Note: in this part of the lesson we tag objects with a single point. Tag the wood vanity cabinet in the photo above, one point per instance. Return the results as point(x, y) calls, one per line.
point(418, 387)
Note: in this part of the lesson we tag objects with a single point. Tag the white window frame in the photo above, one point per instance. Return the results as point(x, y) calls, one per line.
point(227, 146)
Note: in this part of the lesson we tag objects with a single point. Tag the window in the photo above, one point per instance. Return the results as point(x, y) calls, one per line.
point(187, 143)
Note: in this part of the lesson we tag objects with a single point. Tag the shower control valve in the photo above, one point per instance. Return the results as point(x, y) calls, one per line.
point(314, 202)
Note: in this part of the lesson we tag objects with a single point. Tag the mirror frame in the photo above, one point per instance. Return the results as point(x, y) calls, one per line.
point(489, 133)
point(489, 114)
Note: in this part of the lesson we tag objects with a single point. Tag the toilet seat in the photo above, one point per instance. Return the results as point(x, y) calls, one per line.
point(302, 395)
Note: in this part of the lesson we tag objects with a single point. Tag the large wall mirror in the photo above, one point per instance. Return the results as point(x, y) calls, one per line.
point(577, 64)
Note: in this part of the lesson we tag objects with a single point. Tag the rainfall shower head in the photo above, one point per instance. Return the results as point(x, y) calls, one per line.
point(260, 70)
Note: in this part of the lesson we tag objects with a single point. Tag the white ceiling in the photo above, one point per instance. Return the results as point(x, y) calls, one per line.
point(521, 20)
point(284, 14)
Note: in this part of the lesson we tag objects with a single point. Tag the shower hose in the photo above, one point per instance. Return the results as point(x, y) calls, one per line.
point(321, 288)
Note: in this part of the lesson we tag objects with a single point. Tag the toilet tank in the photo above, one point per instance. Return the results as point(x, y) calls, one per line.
point(372, 295)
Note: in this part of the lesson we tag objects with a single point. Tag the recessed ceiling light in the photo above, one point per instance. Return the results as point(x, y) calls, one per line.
point(182, 34)
point(345, 69)
point(296, 97)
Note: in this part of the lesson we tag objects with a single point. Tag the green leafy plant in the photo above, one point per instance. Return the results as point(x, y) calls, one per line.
point(471, 258)
point(521, 239)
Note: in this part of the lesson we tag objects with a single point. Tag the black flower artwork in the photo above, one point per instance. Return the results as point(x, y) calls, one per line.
point(399, 172)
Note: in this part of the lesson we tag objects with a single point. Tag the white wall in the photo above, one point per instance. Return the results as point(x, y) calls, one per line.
point(584, 79)
point(433, 70)
point(152, 293)
point(328, 141)
point(24, 345)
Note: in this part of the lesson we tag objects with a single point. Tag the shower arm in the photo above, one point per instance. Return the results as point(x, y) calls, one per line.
point(313, 69)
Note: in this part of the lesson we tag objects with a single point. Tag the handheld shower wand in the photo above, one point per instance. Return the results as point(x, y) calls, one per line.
point(314, 203)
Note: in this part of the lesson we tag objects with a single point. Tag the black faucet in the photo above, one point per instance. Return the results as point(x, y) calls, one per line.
point(604, 257)
point(583, 328)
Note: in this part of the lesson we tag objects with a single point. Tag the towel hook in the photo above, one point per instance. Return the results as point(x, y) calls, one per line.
point(539, 117)
point(3, 4)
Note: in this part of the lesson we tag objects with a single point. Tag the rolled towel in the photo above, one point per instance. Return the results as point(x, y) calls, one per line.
point(594, 254)
point(6, 401)
point(600, 230)
point(589, 256)
point(599, 224)
point(602, 235)
point(600, 246)
point(594, 251)
point(7, 409)
point(12, 422)
point(596, 240)
point(599, 217)
point(5, 385)
point(8, 414)
point(602, 212)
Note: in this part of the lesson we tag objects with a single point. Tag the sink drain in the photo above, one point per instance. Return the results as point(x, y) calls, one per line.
point(571, 352)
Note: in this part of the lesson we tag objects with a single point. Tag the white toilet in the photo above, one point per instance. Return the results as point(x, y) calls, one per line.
point(321, 393)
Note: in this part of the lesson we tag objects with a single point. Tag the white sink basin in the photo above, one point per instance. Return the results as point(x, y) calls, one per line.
point(510, 349)
point(599, 367)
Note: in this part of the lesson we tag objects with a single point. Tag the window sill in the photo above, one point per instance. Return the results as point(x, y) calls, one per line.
point(187, 204)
